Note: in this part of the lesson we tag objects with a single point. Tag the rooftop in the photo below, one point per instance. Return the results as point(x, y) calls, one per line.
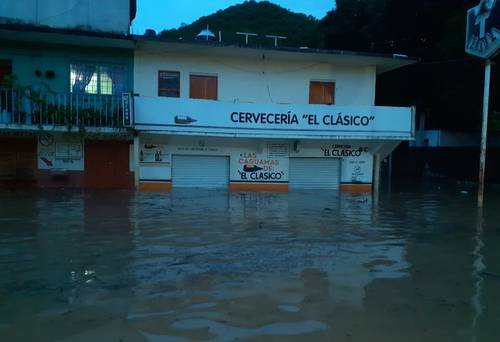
point(42, 34)
point(383, 62)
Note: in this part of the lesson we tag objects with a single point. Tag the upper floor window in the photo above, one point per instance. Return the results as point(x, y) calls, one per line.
point(322, 92)
point(98, 79)
point(169, 83)
point(203, 87)
point(5, 71)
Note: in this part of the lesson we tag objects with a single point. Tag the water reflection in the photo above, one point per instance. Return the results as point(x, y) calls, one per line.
point(212, 265)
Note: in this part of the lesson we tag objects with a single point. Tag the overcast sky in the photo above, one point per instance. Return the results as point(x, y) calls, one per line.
point(167, 14)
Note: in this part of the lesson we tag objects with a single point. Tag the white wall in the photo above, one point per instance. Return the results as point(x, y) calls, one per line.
point(94, 15)
point(356, 167)
point(256, 80)
point(439, 138)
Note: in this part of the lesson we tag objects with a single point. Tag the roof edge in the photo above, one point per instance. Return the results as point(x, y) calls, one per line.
point(75, 32)
point(304, 50)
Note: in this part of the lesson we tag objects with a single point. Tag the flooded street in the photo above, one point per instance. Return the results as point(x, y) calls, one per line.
point(204, 265)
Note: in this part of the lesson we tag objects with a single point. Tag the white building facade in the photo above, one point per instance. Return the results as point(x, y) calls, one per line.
point(260, 119)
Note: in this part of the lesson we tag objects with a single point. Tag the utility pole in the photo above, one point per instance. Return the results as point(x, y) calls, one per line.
point(482, 23)
point(484, 132)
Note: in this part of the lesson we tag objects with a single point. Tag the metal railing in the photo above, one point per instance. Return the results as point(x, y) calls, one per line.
point(28, 107)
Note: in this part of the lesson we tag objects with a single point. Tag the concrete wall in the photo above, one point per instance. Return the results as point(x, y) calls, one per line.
point(93, 15)
point(440, 138)
point(28, 58)
point(256, 80)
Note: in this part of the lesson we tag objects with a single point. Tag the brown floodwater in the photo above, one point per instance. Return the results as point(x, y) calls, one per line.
point(197, 265)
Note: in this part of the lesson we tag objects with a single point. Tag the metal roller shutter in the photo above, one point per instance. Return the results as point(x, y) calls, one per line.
point(200, 171)
point(314, 173)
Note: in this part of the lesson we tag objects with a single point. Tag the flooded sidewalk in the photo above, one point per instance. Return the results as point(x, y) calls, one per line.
point(199, 265)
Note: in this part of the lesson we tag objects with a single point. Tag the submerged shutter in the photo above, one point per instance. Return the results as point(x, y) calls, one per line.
point(200, 171)
point(314, 173)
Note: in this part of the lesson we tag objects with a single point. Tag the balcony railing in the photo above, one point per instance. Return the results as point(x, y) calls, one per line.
point(30, 108)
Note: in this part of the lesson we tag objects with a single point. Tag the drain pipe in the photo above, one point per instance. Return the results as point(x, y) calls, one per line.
point(136, 161)
point(376, 177)
point(484, 133)
point(389, 173)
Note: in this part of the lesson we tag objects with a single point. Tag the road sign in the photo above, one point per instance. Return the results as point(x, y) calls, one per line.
point(483, 29)
point(483, 40)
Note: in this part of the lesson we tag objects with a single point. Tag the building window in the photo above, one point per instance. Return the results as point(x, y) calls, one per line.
point(169, 83)
point(5, 71)
point(203, 87)
point(5, 95)
point(322, 92)
point(98, 79)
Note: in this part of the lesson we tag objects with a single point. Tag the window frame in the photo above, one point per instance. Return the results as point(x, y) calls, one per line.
point(172, 72)
point(98, 65)
point(214, 76)
point(9, 67)
point(334, 85)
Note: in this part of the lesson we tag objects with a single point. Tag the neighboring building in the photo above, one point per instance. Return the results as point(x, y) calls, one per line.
point(208, 115)
point(110, 16)
point(63, 69)
point(437, 138)
point(446, 154)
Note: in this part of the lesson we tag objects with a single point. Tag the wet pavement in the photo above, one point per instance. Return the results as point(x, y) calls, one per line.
point(198, 265)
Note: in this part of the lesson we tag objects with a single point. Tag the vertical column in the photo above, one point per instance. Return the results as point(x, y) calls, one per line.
point(389, 173)
point(136, 161)
point(484, 133)
point(376, 176)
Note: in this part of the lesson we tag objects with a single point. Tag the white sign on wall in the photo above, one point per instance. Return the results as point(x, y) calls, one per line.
point(268, 166)
point(357, 170)
point(216, 117)
point(60, 152)
point(154, 153)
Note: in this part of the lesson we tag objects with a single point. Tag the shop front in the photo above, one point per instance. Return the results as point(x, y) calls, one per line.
point(269, 147)
point(65, 160)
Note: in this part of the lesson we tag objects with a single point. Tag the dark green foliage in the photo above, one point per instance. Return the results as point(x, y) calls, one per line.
point(256, 17)
point(447, 85)
point(354, 24)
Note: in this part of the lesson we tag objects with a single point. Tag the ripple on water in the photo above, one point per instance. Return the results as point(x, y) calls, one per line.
point(186, 262)
point(226, 332)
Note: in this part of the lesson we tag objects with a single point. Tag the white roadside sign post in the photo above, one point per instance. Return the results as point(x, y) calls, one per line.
point(483, 41)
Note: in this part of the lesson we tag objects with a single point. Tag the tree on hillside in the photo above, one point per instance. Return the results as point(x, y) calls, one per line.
point(446, 85)
point(354, 25)
point(256, 17)
point(414, 27)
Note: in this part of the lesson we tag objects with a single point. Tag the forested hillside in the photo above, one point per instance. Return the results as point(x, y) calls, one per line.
point(446, 85)
point(262, 18)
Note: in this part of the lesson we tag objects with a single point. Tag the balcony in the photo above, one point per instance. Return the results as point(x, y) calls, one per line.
point(271, 120)
point(22, 109)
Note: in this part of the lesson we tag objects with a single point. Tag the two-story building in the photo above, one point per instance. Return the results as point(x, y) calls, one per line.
point(64, 66)
point(209, 115)
point(85, 104)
